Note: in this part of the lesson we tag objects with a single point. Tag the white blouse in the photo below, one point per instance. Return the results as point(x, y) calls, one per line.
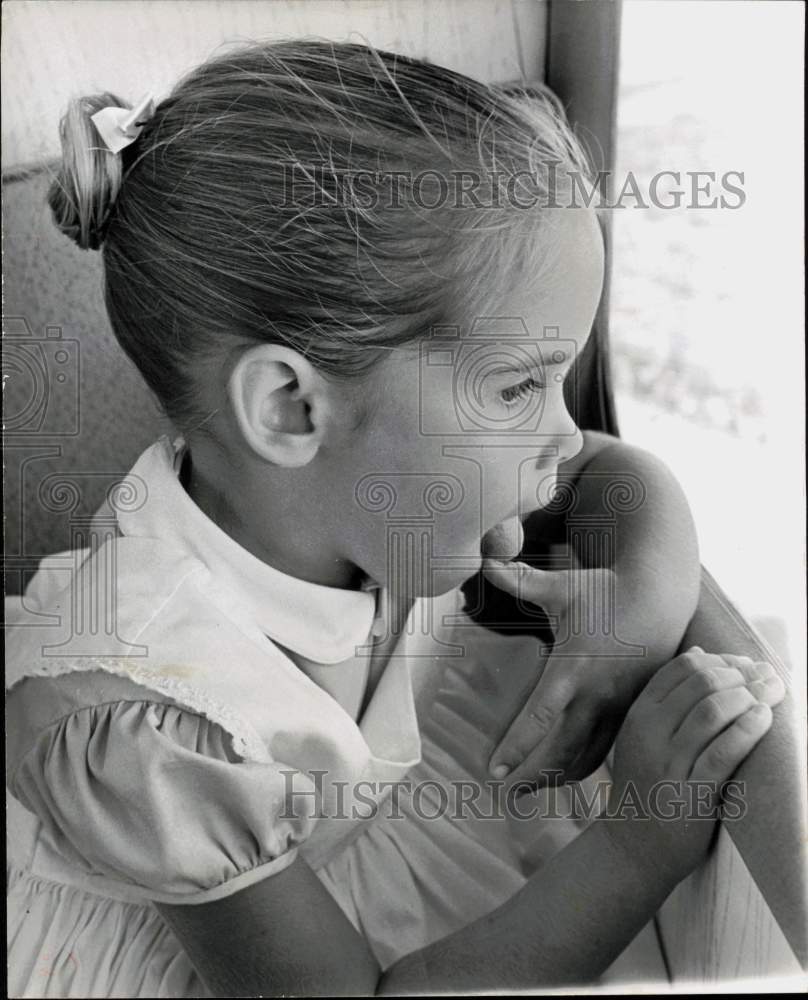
point(183, 721)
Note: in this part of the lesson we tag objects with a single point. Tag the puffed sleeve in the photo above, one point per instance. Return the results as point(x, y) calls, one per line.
point(153, 795)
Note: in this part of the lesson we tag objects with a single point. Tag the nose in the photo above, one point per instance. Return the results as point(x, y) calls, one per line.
point(565, 445)
point(570, 446)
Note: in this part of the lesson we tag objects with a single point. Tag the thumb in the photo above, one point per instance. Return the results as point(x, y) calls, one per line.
point(547, 588)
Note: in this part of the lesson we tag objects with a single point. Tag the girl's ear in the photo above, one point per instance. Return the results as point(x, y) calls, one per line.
point(281, 404)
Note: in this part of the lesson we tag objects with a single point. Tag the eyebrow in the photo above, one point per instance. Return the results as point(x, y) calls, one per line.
point(542, 362)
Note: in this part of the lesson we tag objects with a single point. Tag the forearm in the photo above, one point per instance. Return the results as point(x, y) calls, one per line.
point(286, 935)
point(772, 832)
point(283, 936)
point(565, 926)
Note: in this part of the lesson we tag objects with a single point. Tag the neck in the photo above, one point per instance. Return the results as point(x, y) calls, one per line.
point(288, 546)
point(295, 542)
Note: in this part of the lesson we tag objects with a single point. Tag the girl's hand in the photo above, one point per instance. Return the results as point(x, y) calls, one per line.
point(684, 736)
point(617, 618)
point(571, 718)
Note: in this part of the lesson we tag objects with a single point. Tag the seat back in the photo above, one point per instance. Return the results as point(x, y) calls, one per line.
point(76, 411)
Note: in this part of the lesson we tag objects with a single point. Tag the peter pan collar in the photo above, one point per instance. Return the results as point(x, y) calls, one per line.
point(324, 624)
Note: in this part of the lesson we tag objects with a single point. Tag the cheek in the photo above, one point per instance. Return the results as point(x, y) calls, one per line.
point(545, 489)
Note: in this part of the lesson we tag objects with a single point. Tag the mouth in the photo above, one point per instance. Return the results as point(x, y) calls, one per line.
point(504, 541)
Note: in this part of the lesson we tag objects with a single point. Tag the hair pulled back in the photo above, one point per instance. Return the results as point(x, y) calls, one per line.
point(299, 192)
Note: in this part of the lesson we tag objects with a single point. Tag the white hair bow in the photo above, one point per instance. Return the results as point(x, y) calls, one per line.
point(119, 127)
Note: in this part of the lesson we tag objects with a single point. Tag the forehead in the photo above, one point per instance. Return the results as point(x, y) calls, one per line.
point(543, 315)
point(541, 311)
point(561, 297)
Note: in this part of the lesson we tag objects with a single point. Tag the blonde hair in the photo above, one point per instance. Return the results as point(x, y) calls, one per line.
point(306, 193)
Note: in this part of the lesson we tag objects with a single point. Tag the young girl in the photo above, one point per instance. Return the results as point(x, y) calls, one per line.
point(351, 283)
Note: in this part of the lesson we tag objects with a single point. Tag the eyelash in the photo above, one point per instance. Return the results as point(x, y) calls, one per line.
point(515, 392)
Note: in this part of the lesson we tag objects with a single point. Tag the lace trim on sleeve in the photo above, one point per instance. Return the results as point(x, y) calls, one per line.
point(246, 741)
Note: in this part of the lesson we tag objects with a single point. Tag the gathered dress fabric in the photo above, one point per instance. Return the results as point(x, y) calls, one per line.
point(205, 729)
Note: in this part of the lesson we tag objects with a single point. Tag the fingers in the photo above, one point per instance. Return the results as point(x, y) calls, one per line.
point(759, 679)
point(695, 661)
point(712, 699)
point(534, 724)
point(547, 588)
point(677, 670)
point(530, 728)
point(551, 762)
point(721, 757)
point(707, 719)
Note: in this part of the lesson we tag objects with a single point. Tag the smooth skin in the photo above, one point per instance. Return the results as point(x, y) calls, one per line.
point(570, 720)
point(278, 463)
point(697, 719)
point(277, 467)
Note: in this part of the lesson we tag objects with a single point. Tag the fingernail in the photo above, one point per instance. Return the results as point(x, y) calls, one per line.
point(762, 669)
point(757, 688)
point(489, 563)
point(500, 771)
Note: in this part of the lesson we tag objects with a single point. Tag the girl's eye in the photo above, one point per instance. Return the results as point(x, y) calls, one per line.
point(526, 388)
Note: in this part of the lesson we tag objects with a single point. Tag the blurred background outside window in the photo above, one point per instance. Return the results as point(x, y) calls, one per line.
point(707, 304)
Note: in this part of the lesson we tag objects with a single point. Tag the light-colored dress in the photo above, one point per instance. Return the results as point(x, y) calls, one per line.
point(183, 722)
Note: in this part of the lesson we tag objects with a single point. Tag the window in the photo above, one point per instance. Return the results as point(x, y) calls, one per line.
point(707, 303)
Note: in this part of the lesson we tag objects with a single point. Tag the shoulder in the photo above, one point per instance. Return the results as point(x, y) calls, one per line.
point(140, 791)
point(107, 591)
point(124, 600)
point(37, 705)
point(146, 613)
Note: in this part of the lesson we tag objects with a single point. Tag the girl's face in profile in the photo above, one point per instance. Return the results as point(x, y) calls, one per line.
point(468, 429)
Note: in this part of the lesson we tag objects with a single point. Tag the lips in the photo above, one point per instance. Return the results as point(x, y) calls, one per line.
point(503, 541)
